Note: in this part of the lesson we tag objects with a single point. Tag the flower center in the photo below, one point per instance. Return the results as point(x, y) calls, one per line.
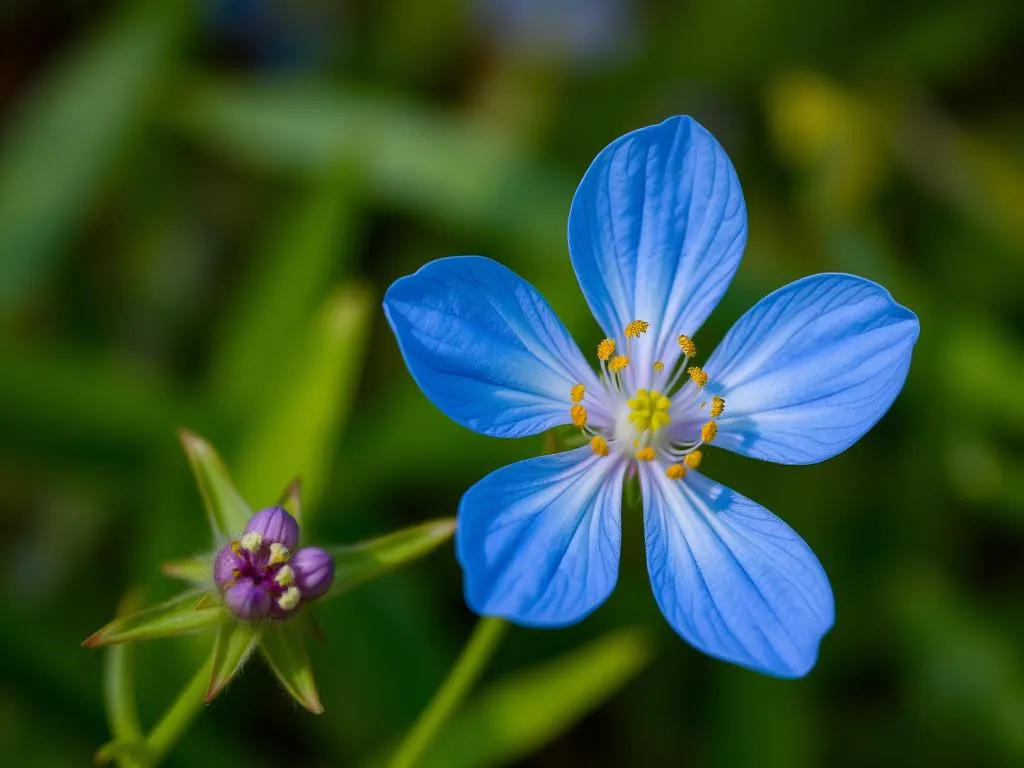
point(640, 419)
point(649, 410)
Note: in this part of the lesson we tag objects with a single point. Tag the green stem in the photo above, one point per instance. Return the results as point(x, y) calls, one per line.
point(179, 715)
point(468, 667)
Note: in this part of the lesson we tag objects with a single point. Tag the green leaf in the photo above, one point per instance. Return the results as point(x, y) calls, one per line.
point(234, 644)
point(459, 170)
point(225, 507)
point(303, 257)
point(65, 139)
point(284, 649)
point(177, 616)
point(357, 563)
point(518, 715)
point(196, 570)
point(310, 405)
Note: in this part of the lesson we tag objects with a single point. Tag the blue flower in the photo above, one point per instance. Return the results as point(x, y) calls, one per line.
point(656, 232)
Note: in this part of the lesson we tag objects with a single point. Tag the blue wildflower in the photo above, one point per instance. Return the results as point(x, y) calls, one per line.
point(656, 231)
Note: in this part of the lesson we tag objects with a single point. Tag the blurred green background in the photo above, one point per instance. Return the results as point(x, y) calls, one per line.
point(201, 205)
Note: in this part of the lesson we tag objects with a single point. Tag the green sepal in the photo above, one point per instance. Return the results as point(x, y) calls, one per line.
point(177, 616)
point(225, 507)
point(196, 570)
point(284, 648)
point(356, 563)
point(234, 645)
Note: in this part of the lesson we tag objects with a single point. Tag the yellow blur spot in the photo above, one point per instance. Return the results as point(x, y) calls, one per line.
point(659, 366)
point(618, 363)
point(675, 472)
point(694, 459)
point(605, 349)
point(645, 454)
point(578, 392)
point(599, 446)
point(708, 432)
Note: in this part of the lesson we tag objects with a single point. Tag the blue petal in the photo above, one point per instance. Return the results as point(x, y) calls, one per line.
point(811, 368)
point(656, 231)
point(733, 579)
point(485, 347)
point(539, 540)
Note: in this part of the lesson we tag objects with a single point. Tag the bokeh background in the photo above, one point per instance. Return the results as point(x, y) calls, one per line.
point(201, 205)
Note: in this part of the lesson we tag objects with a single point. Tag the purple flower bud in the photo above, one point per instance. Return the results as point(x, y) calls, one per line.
point(275, 525)
point(248, 600)
point(228, 566)
point(314, 571)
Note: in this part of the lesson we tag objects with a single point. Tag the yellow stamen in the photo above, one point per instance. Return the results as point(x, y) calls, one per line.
point(637, 328)
point(675, 472)
point(659, 366)
point(599, 446)
point(645, 454)
point(279, 554)
point(290, 598)
point(618, 363)
point(251, 541)
point(285, 576)
point(717, 406)
point(693, 459)
point(697, 375)
point(605, 349)
point(578, 392)
point(579, 415)
point(686, 344)
point(708, 432)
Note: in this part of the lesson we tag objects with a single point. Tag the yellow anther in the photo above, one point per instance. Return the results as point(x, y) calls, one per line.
point(605, 349)
point(698, 375)
point(645, 454)
point(251, 541)
point(290, 599)
point(659, 366)
point(637, 328)
point(285, 576)
point(579, 415)
point(686, 344)
point(708, 432)
point(618, 363)
point(675, 472)
point(693, 459)
point(578, 392)
point(717, 406)
point(279, 554)
point(599, 445)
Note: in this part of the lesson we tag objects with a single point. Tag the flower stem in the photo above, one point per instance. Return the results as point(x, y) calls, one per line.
point(179, 715)
point(468, 667)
